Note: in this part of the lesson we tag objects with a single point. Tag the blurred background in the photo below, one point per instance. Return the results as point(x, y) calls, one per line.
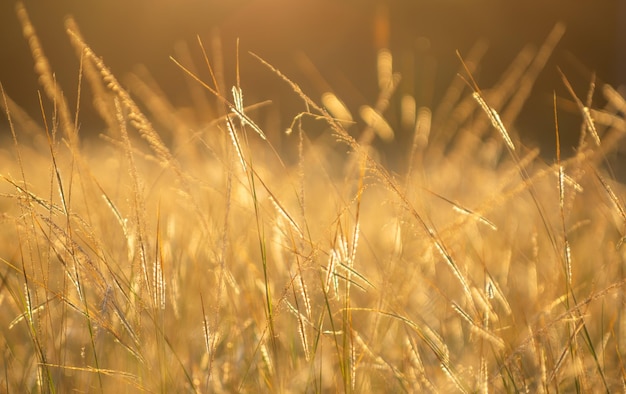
point(322, 43)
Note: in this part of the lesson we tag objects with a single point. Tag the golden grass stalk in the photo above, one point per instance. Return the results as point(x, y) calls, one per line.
point(46, 76)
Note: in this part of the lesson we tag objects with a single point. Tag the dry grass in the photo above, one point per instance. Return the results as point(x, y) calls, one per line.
point(208, 264)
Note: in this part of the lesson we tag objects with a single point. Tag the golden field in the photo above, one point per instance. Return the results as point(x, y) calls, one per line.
point(169, 255)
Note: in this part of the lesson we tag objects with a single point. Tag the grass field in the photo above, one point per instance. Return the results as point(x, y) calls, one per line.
point(165, 256)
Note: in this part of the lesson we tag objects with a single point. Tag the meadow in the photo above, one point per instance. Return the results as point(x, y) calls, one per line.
point(168, 256)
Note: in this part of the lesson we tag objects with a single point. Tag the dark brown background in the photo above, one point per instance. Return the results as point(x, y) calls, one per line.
point(338, 36)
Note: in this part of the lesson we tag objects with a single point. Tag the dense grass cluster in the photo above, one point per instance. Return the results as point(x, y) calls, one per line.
point(210, 264)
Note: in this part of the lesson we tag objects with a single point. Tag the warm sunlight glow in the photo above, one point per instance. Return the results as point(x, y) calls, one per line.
point(352, 196)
